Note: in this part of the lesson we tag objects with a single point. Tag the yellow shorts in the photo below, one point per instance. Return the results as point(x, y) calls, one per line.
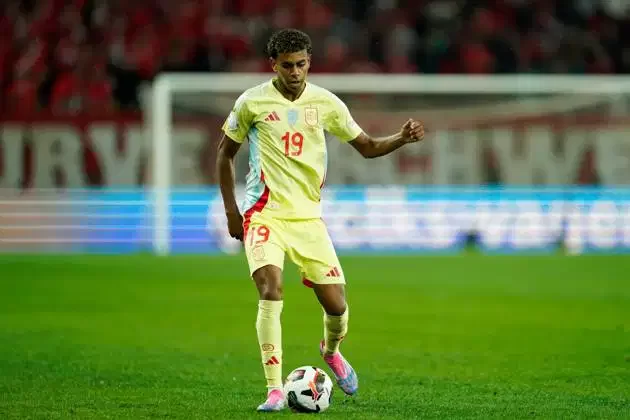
point(306, 242)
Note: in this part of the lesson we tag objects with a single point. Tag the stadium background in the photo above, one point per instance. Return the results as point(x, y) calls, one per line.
point(469, 335)
point(75, 75)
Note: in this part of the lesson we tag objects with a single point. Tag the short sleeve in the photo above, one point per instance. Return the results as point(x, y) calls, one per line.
point(238, 123)
point(340, 122)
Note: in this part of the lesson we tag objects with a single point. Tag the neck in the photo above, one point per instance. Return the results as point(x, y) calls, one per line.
point(287, 93)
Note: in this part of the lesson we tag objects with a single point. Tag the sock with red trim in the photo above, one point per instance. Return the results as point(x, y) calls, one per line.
point(335, 329)
point(269, 329)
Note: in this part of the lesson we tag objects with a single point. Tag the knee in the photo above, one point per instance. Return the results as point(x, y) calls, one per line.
point(270, 292)
point(337, 308)
point(269, 283)
point(332, 298)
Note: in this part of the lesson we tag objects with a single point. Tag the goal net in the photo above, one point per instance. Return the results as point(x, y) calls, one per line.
point(536, 136)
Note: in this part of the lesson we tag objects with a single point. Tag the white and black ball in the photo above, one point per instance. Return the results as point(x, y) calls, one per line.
point(308, 389)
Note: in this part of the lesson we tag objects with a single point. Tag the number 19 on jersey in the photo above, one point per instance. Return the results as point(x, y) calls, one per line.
point(293, 143)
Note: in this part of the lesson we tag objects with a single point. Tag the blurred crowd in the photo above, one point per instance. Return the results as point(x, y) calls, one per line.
point(67, 56)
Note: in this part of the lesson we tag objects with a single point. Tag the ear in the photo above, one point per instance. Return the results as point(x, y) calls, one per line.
point(273, 64)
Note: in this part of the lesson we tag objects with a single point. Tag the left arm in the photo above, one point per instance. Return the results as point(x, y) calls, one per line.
point(341, 124)
point(375, 147)
point(370, 147)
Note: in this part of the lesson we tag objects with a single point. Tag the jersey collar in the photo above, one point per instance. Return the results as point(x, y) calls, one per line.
point(281, 96)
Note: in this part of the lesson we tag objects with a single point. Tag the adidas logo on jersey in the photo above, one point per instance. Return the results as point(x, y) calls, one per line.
point(272, 117)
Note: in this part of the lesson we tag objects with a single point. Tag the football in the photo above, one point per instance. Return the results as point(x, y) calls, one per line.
point(308, 389)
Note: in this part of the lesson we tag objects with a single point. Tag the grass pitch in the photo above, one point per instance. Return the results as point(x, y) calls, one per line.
point(137, 337)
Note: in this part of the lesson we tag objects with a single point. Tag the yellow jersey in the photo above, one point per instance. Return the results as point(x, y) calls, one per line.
point(287, 147)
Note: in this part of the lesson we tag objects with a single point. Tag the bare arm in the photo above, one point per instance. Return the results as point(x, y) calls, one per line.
point(375, 147)
point(370, 147)
point(225, 169)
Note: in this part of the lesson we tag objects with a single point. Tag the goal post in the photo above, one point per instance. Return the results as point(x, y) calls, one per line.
point(532, 96)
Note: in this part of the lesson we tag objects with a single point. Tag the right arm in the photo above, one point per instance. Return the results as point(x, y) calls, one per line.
point(225, 170)
point(235, 130)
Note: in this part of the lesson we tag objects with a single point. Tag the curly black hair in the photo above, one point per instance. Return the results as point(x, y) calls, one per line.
point(288, 41)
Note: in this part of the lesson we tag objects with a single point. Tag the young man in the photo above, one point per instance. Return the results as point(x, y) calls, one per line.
point(284, 121)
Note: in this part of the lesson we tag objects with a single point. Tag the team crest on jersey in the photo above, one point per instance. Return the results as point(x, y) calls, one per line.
point(292, 116)
point(311, 117)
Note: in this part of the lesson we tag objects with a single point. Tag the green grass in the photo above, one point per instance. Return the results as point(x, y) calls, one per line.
point(430, 337)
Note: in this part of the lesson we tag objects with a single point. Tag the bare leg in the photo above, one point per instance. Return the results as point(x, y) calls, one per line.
point(332, 297)
point(268, 281)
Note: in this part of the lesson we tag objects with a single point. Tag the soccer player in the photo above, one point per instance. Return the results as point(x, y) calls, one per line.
point(284, 120)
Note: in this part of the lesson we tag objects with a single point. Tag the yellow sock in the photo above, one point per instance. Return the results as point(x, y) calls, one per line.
point(335, 329)
point(269, 329)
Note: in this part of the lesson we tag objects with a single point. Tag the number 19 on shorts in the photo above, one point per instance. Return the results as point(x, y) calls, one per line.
point(258, 235)
point(293, 143)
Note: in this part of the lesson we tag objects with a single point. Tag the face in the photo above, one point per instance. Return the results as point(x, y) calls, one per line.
point(292, 69)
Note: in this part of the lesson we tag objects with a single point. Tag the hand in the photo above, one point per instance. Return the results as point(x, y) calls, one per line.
point(235, 225)
point(412, 131)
